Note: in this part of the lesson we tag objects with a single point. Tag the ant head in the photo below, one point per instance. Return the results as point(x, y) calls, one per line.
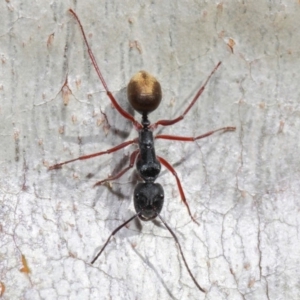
point(148, 200)
point(144, 92)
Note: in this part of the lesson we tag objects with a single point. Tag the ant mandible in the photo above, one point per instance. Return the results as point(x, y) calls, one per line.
point(144, 94)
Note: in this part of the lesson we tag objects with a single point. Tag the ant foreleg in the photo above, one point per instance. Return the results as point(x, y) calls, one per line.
point(114, 149)
point(171, 122)
point(171, 169)
point(191, 139)
point(131, 164)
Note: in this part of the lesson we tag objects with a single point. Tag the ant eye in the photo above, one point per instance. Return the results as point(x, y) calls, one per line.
point(158, 199)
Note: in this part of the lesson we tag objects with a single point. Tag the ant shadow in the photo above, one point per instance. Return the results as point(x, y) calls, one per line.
point(151, 266)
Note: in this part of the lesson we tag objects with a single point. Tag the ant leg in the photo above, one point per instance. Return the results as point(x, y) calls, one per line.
point(191, 139)
point(171, 122)
point(114, 149)
point(124, 113)
point(184, 260)
point(131, 164)
point(171, 169)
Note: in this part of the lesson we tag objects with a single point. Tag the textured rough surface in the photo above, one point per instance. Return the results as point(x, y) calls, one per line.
point(242, 187)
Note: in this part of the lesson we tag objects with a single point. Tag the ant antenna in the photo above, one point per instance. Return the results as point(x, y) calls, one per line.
point(184, 260)
point(172, 233)
point(112, 234)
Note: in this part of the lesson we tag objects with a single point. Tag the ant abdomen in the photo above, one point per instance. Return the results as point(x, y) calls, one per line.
point(144, 92)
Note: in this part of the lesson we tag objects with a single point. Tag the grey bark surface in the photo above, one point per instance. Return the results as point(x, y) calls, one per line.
point(242, 186)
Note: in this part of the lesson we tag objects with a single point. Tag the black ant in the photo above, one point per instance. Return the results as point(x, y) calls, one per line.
point(144, 94)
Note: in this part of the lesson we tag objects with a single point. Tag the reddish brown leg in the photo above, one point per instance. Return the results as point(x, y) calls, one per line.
point(114, 149)
point(191, 139)
point(171, 169)
point(171, 122)
point(131, 164)
point(124, 113)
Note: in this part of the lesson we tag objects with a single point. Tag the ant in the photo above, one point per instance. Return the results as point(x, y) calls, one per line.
point(144, 94)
